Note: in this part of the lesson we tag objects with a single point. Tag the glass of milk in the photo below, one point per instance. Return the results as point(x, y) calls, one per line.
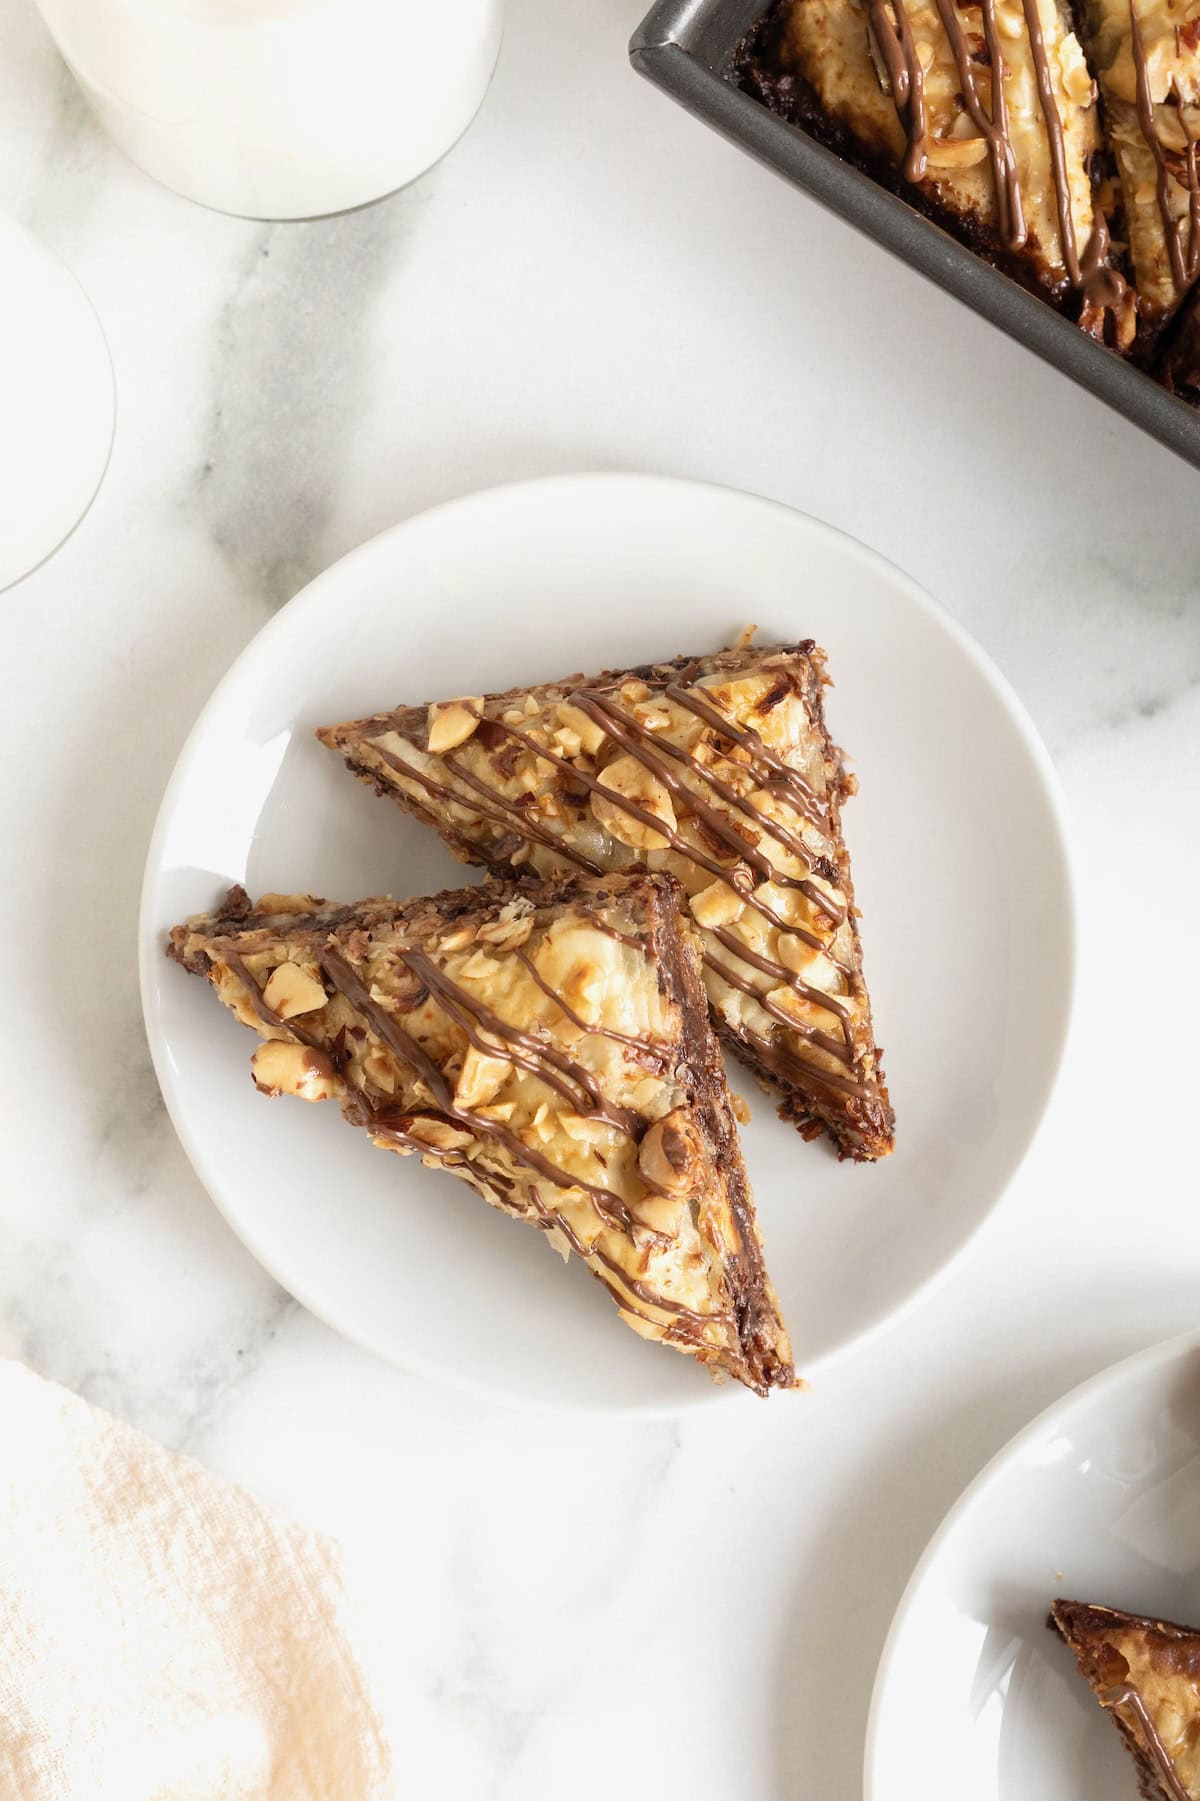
point(281, 109)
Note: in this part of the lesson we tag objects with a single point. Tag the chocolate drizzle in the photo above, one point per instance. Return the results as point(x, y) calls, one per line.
point(667, 762)
point(650, 750)
point(663, 760)
point(1185, 262)
point(646, 1052)
point(720, 871)
point(535, 1056)
point(610, 1207)
point(1104, 288)
point(906, 78)
point(993, 126)
point(1100, 286)
point(769, 966)
point(388, 1038)
point(1125, 1695)
point(273, 1021)
point(610, 931)
point(800, 795)
point(832, 1045)
point(1055, 141)
point(552, 1220)
point(795, 1072)
point(511, 818)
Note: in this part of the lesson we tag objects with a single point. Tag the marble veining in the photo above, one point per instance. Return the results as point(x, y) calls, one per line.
point(577, 1604)
point(289, 369)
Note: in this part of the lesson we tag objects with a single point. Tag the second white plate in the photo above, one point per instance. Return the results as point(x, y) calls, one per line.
point(959, 868)
point(1097, 1500)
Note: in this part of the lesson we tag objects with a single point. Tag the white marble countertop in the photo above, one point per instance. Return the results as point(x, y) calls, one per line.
point(589, 280)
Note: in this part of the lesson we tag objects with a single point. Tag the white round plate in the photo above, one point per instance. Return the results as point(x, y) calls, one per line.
point(1098, 1500)
point(959, 868)
point(59, 405)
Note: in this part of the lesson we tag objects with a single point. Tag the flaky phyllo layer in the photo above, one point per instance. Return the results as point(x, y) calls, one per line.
point(548, 1045)
point(716, 769)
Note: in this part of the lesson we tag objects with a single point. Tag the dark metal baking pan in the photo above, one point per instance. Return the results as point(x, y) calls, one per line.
point(686, 47)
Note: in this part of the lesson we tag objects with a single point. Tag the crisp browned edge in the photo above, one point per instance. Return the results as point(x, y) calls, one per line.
point(862, 1128)
point(761, 1331)
point(762, 1334)
point(239, 914)
point(1076, 1623)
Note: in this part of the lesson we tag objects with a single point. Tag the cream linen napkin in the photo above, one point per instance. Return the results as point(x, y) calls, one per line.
point(162, 1637)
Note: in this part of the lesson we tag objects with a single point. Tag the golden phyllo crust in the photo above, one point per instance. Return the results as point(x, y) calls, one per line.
point(1146, 1674)
point(717, 769)
point(548, 1044)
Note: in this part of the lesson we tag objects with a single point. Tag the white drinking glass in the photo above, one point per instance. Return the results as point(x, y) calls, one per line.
point(58, 406)
point(281, 109)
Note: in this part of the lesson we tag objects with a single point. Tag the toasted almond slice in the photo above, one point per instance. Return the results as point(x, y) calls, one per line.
point(292, 990)
point(628, 780)
point(451, 722)
point(955, 153)
point(480, 1079)
point(281, 1067)
point(717, 905)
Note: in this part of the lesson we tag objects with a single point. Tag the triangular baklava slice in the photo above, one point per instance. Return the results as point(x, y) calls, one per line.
point(718, 769)
point(1147, 58)
point(1145, 1673)
point(548, 1044)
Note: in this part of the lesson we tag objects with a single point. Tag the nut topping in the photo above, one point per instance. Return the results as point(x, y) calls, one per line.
point(439, 1134)
point(660, 1212)
point(671, 1155)
point(380, 1069)
point(507, 933)
point(480, 1079)
point(955, 153)
point(584, 727)
point(293, 990)
point(451, 723)
point(717, 905)
point(281, 1067)
point(275, 904)
point(803, 960)
point(629, 780)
